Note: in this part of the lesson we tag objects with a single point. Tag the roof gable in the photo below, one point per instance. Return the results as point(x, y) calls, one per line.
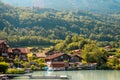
point(2, 41)
point(41, 55)
point(55, 55)
point(22, 50)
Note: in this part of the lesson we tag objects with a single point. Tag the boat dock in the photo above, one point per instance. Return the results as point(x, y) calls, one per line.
point(30, 76)
point(49, 77)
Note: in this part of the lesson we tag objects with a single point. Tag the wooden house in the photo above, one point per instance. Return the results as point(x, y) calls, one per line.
point(108, 48)
point(58, 61)
point(76, 58)
point(40, 55)
point(3, 48)
point(10, 52)
point(21, 52)
point(44, 54)
point(77, 52)
point(58, 57)
point(57, 65)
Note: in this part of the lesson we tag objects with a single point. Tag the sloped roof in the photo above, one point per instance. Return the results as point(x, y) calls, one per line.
point(22, 50)
point(77, 51)
point(55, 55)
point(108, 47)
point(1, 41)
point(78, 56)
point(41, 55)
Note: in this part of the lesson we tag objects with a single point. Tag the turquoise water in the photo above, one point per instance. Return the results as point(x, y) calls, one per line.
point(79, 75)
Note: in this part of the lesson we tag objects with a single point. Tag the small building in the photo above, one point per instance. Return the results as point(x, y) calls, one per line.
point(21, 52)
point(10, 52)
point(57, 65)
point(76, 58)
point(3, 48)
point(108, 48)
point(75, 61)
point(58, 57)
point(40, 55)
point(46, 53)
point(77, 52)
point(58, 61)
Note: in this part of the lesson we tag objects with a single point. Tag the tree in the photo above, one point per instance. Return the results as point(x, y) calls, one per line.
point(3, 67)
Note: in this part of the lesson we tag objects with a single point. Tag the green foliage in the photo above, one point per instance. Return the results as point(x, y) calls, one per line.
point(113, 63)
point(3, 66)
point(71, 43)
point(25, 27)
point(33, 67)
point(40, 62)
point(93, 54)
point(1, 59)
point(25, 64)
point(15, 71)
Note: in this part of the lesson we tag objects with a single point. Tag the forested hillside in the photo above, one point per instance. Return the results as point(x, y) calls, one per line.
point(36, 26)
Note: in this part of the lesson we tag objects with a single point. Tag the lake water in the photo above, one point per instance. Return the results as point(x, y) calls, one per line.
point(80, 75)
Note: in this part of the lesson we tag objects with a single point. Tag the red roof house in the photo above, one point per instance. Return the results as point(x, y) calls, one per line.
point(58, 57)
point(22, 52)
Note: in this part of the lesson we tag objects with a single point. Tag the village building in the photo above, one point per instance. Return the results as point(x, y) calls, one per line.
point(58, 57)
point(40, 55)
point(21, 53)
point(58, 61)
point(46, 53)
point(75, 61)
point(51, 52)
point(3, 48)
point(10, 52)
point(77, 52)
point(108, 48)
point(76, 58)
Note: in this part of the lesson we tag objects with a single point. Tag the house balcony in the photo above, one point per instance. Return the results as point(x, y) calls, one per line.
point(4, 54)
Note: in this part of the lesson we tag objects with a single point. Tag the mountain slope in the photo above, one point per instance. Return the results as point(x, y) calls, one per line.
point(40, 26)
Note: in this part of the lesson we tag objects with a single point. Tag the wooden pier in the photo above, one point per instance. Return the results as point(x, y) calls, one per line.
point(49, 77)
point(30, 76)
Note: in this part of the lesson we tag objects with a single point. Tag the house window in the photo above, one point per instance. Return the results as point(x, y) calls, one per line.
point(23, 55)
point(0, 49)
point(61, 57)
point(11, 55)
point(55, 59)
point(16, 52)
point(24, 59)
point(4, 54)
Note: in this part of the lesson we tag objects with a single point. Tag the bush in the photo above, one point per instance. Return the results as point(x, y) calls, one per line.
point(1, 59)
point(103, 67)
point(32, 67)
point(3, 67)
point(15, 71)
point(17, 64)
point(42, 65)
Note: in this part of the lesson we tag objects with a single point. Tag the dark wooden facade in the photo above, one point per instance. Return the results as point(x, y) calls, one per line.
point(76, 58)
point(3, 48)
point(21, 53)
point(59, 57)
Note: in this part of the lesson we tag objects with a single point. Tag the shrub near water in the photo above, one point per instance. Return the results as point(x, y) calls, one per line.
point(15, 71)
point(3, 67)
